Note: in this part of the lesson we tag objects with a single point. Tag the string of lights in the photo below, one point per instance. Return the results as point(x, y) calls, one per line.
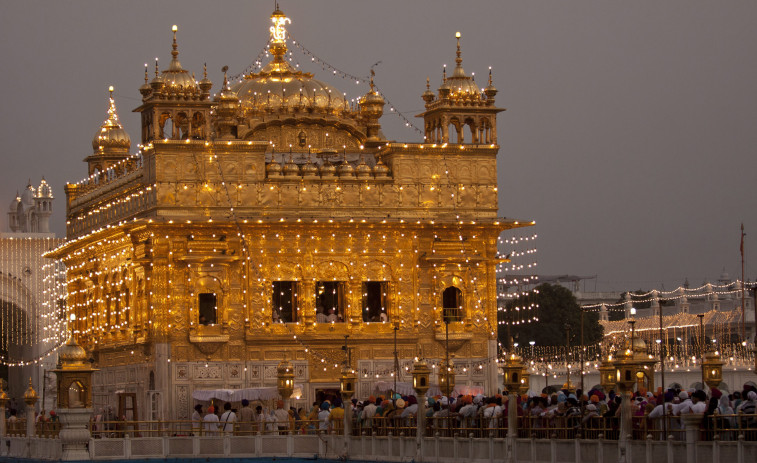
point(358, 80)
point(620, 306)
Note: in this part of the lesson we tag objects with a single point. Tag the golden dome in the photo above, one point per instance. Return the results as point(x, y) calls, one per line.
point(273, 168)
point(461, 85)
point(639, 345)
point(290, 168)
point(111, 133)
point(362, 169)
point(309, 169)
point(177, 79)
point(72, 354)
point(458, 87)
point(327, 169)
point(346, 170)
point(30, 395)
point(278, 86)
point(380, 169)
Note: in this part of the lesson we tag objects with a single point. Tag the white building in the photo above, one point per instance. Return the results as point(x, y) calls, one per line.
point(31, 306)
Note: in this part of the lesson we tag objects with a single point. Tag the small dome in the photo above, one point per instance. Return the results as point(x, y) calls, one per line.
point(72, 354)
point(176, 78)
point(363, 170)
point(27, 197)
point(290, 168)
point(328, 169)
point(380, 169)
point(44, 190)
point(309, 169)
point(14, 204)
point(111, 134)
point(273, 168)
point(346, 170)
point(30, 396)
point(639, 345)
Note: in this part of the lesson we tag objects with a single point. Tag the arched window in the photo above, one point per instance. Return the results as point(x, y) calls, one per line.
point(208, 308)
point(452, 304)
point(77, 395)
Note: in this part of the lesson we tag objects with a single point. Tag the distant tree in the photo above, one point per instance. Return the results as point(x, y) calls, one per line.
point(557, 306)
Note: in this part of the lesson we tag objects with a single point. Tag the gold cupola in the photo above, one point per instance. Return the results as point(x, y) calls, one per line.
point(110, 144)
point(459, 108)
point(72, 355)
point(462, 87)
point(111, 136)
point(178, 81)
point(371, 109)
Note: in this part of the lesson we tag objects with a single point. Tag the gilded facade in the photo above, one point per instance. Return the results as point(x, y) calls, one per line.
point(275, 221)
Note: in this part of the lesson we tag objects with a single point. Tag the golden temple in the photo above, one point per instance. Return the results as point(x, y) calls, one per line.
point(274, 220)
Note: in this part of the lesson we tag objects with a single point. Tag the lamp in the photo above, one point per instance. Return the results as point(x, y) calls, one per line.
point(420, 373)
point(712, 369)
point(607, 374)
point(347, 383)
point(513, 373)
point(447, 377)
point(285, 377)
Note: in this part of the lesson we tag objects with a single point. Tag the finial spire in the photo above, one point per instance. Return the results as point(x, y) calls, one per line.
point(459, 59)
point(146, 77)
point(373, 73)
point(174, 46)
point(205, 70)
point(225, 81)
point(444, 74)
point(428, 84)
point(490, 75)
point(157, 71)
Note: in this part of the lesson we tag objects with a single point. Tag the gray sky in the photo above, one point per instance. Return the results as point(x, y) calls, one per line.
point(629, 135)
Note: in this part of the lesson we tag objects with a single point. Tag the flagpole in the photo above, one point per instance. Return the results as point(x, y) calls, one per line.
point(743, 288)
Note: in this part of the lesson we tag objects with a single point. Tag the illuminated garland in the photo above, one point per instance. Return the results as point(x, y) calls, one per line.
point(621, 306)
point(358, 80)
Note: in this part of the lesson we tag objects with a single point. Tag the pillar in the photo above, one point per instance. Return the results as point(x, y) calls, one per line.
point(691, 422)
point(74, 433)
point(626, 411)
point(512, 424)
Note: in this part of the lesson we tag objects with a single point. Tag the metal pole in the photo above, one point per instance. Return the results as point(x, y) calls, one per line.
point(662, 379)
point(743, 289)
point(582, 351)
point(446, 358)
point(567, 354)
point(396, 361)
point(701, 345)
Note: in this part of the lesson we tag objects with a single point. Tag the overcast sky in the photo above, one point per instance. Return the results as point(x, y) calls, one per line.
point(629, 136)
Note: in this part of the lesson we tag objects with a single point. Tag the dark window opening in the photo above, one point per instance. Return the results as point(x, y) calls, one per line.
point(329, 302)
point(452, 304)
point(374, 302)
point(208, 308)
point(284, 302)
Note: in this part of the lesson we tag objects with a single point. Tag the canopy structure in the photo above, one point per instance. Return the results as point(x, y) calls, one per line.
point(236, 395)
point(405, 388)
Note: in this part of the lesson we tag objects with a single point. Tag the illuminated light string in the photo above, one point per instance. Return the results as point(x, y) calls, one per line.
point(358, 80)
point(620, 306)
point(255, 65)
point(29, 312)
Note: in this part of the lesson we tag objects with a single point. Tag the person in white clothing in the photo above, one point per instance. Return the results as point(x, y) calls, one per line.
point(211, 422)
point(228, 418)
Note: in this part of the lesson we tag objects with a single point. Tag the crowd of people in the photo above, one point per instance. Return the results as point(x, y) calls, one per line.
point(538, 415)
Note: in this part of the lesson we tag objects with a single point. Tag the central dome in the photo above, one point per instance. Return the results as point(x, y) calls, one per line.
point(277, 86)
